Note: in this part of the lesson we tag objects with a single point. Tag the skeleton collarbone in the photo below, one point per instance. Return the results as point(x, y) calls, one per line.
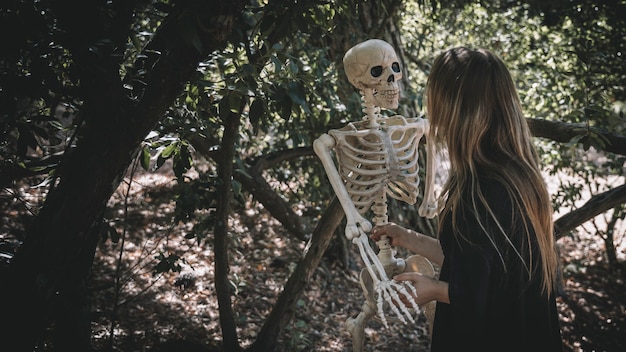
point(375, 161)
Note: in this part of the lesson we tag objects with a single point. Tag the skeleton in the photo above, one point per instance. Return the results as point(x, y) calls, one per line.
point(378, 157)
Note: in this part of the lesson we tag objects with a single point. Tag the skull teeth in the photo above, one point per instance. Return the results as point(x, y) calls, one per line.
point(386, 94)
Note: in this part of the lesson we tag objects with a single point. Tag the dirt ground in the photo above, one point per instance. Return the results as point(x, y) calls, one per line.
point(177, 311)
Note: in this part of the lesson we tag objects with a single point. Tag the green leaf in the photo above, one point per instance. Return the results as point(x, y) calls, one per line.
point(278, 65)
point(599, 141)
point(293, 67)
point(236, 187)
point(169, 150)
point(241, 168)
point(182, 161)
point(296, 93)
point(145, 158)
point(285, 109)
point(575, 140)
point(257, 110)
point(159, 162)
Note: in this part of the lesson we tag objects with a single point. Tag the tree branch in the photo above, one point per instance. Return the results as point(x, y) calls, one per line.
point(269, 160)
point(564, 132)
point(253, 181)
point(221, 241)
point(274, 203)
point(598, 204)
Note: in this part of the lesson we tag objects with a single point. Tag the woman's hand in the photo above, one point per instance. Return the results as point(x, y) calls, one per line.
point(415, 242)
point(428, 289)
point(397, 234)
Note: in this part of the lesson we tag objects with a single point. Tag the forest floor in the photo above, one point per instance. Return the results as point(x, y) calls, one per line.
point(178, 312)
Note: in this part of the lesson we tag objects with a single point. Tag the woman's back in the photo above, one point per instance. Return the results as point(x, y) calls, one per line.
point(495, 304)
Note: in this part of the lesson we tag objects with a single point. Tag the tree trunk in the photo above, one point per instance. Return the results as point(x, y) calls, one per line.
point(222, 265)
point(48, 275)
point(284, 309)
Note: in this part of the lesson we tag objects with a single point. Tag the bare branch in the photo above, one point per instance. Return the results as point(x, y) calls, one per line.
point(564, 132)
point(598, 204)
point(253, 181)
point(279, 208)
point(271, 159)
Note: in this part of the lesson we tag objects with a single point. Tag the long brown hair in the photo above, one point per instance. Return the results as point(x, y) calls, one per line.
point(474, 110)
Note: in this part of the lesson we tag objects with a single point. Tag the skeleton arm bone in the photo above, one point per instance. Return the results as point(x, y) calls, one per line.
point(322, 147)
point(428, 208)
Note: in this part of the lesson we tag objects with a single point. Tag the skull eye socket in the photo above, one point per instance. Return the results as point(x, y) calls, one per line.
point(395, 67)
point(376, 71)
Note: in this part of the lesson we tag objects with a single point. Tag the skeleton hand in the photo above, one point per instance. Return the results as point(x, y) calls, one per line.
point(393, 292)
point(396, 295)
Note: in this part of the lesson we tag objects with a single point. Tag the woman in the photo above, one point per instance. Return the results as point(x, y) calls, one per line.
point(495, 239)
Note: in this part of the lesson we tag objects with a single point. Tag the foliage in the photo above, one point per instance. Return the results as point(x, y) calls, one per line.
point(279, 80)
point(568, 68)
point(281, 75)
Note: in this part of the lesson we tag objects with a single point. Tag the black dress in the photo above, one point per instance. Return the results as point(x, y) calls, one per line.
point(492, 308)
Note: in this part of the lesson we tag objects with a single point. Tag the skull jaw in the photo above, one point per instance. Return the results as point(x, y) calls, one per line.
point(385, 98)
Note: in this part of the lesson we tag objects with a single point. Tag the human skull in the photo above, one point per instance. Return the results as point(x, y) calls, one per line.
point(373, 67)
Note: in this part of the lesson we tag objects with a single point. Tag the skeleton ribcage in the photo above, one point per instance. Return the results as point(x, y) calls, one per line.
point(375, 161)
